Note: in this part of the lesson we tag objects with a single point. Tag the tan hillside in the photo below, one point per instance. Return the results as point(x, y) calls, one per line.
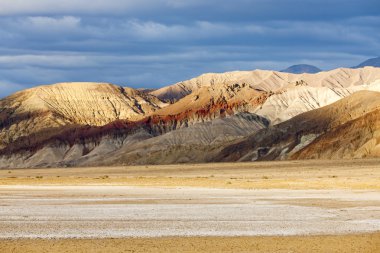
point(290, 102)
point(347, 128)
point(296, 99)
point(272, 80)
point(352, 134)
point(53, 106)
point(75, 124)
point(277, 105)
point(219, 100)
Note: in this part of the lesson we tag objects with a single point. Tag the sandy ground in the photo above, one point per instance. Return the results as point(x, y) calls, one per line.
point(365, 243)
point(312, 174)
point(249, 207)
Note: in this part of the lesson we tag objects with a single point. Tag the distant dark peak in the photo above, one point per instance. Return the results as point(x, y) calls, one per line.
point(374, 62)
point(302, 68)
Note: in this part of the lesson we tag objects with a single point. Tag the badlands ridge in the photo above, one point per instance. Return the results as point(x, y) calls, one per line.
point(234, 116)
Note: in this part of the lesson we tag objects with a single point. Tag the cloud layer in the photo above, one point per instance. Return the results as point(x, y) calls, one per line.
point(150, 43)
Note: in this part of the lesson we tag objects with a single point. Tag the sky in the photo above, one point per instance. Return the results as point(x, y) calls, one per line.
point(153, 43)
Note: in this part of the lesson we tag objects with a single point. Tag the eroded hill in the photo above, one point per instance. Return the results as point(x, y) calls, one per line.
point(236, 116)
point(348, 128)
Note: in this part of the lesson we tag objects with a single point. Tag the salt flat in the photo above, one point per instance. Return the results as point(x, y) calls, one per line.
point(290, 206)
point(125, 211)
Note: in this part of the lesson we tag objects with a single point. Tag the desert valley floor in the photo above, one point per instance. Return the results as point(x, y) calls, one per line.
point(293, 206)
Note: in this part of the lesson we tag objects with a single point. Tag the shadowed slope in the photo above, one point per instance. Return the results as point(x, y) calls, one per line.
point(132, 143)
point(192, 144)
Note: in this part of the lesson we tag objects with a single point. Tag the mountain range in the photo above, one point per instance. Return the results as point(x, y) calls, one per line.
point(234, 116)
point(302, 68)
point(374, 62)
point(306, 68)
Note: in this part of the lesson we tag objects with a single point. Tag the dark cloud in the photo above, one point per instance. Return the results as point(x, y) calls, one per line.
point(149, 43)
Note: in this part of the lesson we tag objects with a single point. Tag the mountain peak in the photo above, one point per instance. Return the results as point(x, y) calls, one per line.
point(374, 62)
point(302, 68)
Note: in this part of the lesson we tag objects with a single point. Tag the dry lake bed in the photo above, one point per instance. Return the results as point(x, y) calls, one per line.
point(303, 206)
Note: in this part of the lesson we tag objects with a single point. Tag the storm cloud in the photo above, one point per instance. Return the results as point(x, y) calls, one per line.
point(151, 43)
